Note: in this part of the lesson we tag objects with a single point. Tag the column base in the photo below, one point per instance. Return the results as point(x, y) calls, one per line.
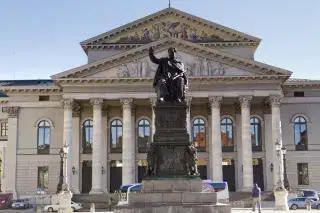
point(96, 191)
point(75, 191)
point(245, 189)
point(105, 191)
point(281, 198)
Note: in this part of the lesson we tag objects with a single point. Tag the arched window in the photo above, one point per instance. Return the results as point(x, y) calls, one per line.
point(44, 133)
point(227, 134)
point(256, 138)
point(199, 134)
point(87, 136)
point(4, 129)
point(300, 133)
point(116, 135)
point(143, 134)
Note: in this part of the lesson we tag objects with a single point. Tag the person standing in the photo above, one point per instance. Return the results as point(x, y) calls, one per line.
point(256, 198)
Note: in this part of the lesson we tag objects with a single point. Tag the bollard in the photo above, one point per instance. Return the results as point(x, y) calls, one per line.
point(92, 208)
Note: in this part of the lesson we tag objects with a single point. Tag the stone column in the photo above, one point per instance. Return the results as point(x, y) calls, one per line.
point(153, 126)
point(208, 143)
point(188, 115)
point(80, 175)
point(246, 148)
point(216, 148)
point(105, 151)
point(128, 145)
point(76, 144)
point(67, 105)
point(11, 155)
point(97, 146)
point(275, 102)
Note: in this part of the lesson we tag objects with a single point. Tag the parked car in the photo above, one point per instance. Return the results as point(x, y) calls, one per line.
point(309, 193)
point(5, 201)
point(301, 203)
point(54, 208)
point(20, 204)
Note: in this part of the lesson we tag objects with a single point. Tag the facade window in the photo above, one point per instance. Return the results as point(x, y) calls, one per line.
point(227, 135)
point(199, 134)
point(43, 177)
point(144, 132)
point(44, 98)
point(298, 94)
point(300, 133)
point(87, 136)
point(303, 174)
point(4, 109)
point(4, 129)
point(256, 137)
point(116, 136)
point(44, 132)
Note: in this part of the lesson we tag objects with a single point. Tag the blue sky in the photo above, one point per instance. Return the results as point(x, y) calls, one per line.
point(40, 38)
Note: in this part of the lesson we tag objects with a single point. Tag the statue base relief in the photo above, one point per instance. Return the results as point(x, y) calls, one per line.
point(281, 198)
point(64, 198)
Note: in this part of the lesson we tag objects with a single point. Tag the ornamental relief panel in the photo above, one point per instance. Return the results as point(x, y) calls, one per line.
point(196, 66)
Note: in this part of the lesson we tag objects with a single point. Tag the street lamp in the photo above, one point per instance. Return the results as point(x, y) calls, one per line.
point(59, 187)
point(285, 175)
point(279, 155)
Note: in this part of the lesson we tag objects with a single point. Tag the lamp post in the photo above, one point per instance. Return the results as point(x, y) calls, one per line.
point(65, 194)
point(280, 193)
point(285, 175)
point(59, 187)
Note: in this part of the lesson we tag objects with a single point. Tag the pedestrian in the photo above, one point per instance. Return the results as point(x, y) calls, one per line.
point(110, 204)
point(308, 204)
point(92, 209)
point(256, 198)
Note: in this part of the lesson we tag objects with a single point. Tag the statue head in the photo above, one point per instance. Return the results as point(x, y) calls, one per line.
point(172, 52)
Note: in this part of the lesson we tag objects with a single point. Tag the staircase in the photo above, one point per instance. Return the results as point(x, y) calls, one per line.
point(245, 197)
point(101, 201)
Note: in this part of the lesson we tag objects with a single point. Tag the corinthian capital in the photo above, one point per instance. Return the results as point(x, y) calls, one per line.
point(153, 101)
point(245, 100)
point(275, 100)
point(126, 103)
point(13, 112)
point(67, 103)
point(96, 102)
point(215, 101)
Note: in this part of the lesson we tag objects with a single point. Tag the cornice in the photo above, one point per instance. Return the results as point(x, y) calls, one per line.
point(30, 89)
point(296, 84)
point(131, 46)
point(124, 57)
point(238, 36)
point(148, 81)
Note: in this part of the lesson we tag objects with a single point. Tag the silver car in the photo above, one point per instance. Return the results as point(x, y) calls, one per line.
point(301, 203)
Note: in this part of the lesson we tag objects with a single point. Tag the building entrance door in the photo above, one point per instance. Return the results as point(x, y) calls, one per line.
point(86, 176)
point(258, 172)
point(142, 167)
point(229, 173)
point(115, 175)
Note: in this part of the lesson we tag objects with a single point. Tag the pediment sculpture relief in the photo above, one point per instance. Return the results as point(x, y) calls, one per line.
point(205, 67)
point(136, 69)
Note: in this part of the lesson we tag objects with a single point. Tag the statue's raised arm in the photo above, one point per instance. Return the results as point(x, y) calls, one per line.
point(152, 57)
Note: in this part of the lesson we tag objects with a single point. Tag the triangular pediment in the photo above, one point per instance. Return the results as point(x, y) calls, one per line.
point(200, 60)
point(170, 22)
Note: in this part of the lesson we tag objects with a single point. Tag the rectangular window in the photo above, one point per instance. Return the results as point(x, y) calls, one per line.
point(4, 109)
point(4, 129)
point(44, 98)
point(303, 174)
point(43, 177)
point(298, 94)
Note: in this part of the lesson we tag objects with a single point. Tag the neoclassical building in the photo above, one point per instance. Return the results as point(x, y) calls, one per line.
point(238, 109)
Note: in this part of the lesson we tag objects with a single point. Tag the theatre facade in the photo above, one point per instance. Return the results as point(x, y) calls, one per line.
point(238, 109)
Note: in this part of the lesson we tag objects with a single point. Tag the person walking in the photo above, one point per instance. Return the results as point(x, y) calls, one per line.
point(256, 198)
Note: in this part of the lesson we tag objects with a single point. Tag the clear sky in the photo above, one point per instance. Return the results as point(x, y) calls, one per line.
point(40, 38)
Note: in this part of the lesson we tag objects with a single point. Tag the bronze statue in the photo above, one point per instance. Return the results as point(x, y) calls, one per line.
point(151, 160)
point(191, 158)
point(170, 81)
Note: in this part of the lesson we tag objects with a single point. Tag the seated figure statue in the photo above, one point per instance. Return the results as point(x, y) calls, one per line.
point(170, 81)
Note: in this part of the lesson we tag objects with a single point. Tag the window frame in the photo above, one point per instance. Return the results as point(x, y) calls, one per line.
point(257, 129)
point(115, 149)
point(198, 125)
point(301, 179)
point(40, 169)
point(86, 150)
point(46, 150)
point(144, 126)
point(301, 147)
point(231, 123)
point(4, 126)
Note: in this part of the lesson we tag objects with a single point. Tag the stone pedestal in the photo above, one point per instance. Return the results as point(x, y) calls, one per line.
point(65, 201)
point(281, 197)
point(171, 189)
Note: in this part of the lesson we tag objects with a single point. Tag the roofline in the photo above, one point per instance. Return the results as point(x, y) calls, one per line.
point(161, 12)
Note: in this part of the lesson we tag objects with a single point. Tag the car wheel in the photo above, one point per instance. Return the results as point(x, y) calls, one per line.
point(294, 207)
point(318, 206)
point(73, 209)
point(50, 209)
